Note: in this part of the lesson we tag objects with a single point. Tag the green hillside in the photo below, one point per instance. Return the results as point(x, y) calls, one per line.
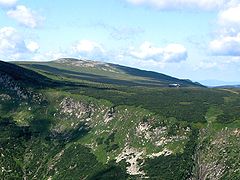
point(98, 72)
point(70, 119)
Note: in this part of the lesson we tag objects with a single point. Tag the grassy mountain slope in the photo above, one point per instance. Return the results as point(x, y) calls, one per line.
point(98, 72)
point(66, 127)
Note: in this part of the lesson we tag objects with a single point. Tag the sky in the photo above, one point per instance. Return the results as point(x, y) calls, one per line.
point(189, 39)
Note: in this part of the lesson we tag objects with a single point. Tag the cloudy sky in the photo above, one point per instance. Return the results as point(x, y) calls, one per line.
point(194, 39)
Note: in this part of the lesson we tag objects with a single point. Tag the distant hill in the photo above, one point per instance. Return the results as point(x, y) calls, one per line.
point(216, 83)
point(229, 86)
point(100, 72)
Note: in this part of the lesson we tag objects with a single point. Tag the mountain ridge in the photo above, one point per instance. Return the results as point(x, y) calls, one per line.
point(109, 71)
point(217, 83)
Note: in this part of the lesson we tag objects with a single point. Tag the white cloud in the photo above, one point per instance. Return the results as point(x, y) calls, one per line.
point(182, 4)
point(226, 46)
point(88, 49)
point(84, 49)
point(87, 46)
point(32, 46)
point(228, 41)
point(49, 56)
point(7, 3)
point(170, 53)
point(230, 16)
point(25, 16)
point(12, 44)
point(10, 41)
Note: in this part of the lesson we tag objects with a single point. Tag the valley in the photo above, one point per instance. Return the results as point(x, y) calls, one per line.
point(81, 119)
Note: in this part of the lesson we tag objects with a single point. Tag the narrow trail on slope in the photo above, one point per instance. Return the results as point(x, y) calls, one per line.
point(230, 90)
